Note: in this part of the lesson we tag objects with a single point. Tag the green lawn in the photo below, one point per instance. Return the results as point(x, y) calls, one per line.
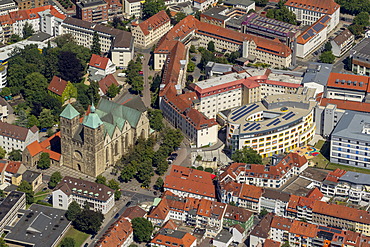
point(333, 166)
point(40, 198)
point(78, 236)
point(319, 144)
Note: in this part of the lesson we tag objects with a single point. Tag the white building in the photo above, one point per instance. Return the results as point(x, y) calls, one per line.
point(98, 196)
point(16, 137)
point(3, 81)
point(342, 43)
point(277, 124)
point(117, 43)
point(313, 37)
point(132, 8)
point(308, 12)
point(203, 4)
point(101, 66)
point(7, 5)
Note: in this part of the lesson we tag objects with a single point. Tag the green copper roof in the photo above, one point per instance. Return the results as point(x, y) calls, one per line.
point(69, 112)
point(92, 120)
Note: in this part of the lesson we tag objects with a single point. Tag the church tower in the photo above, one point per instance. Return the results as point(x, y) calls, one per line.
point(93, 131)
point(69, 123)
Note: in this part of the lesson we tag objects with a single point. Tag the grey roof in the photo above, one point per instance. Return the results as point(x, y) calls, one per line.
point(40, 226)
point(3, 2)
point(356, 178)
point(215, 13)
point(224, 236)
point(238, 2)
point(317, 72)
point(8, 203)
point(172, 233)
point(362, 49)
point(350, 126)
point(39, 37)
point(30, 176)
point(277, 195)
point(263, 228)
point(90, 3)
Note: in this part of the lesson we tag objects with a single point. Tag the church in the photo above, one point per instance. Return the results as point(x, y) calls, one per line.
point(98, 140)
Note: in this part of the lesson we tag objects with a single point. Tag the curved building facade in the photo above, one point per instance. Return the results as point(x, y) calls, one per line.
point(275, 125)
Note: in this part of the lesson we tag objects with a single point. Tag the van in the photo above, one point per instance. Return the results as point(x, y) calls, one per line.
point(121, 74)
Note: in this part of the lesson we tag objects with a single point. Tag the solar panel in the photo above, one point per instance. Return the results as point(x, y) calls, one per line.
point(240, 113)
point(250, 126)
point(246, 112)
point(325, 18)
point(246, 124)
point(277, 122)
point(239, 110)
point(258, 128)
point(287, 115)
point(318, 27)
point(271, 123)
point(254, 127)
point(306, 36)
point(310, 32)
point(290, 117)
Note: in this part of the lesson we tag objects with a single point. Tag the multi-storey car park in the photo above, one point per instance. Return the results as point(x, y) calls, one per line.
point(275, 125)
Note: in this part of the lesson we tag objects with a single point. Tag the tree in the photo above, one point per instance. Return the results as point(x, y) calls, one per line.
point(282, 13)
point(192, 49)
point(327, 57)
point(70, 67)
point(113, 184)
point(286, 244)
point(95, 48)
point(356, 30)
point(156, 119)
point(2, 152)
point(143, 229)
point(208, 169)
point(197, 14)
point(5, 92)
point(263, 213)
point(35, 88)
point(26, 187)
point(200, 168)
point(233, 56)
point(15, 155)
point(191, 67)
point(55, 178)
point(89, 221)
point(64, 39)
point(100, 179)
point(261, 3)
point(179, 16)
point(69, 92)
point(112, 91)
point(15, 38)
point(46, 119)
point(247, 155)
point(328, 46)
point(138, 84)
point(127, 172)
point(211, 46)
point(152, 7)
point(27, 30)
point(68, 242)
point(44, 161)
point(32, 121)
point(117, 195)
point(2, 194)
point(362, 19)
point(74, 210)
point(3, 243)
point(159, 184)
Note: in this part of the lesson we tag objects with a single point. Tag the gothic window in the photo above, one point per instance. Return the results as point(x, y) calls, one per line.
point(107, 155)
point(116, 148)
point(77, 155)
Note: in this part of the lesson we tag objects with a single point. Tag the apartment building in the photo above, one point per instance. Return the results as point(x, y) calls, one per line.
point(11, 172)
point(120, 233)
point(350, 143)
point(16, 137)
point(275, 125)
point(342, 43)
point(348, 87)
point(313, 37)
point(201, 5)
point(308, 12)
point(115, 9)
point(351, 186)
point(208, 215)
point(7, 6)
point(9, 207)
point(171, 237)
point(327, 117)
point(98, 196)
point(151, 30)
point(132, 8)
point(117, 43)
point(92, 10)
point(188, 182)
point(360, 57)
point(271, 176)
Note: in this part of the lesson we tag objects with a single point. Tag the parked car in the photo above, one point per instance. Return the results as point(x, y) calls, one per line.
point(43, 129)
point(116, 216)
point(128, 204)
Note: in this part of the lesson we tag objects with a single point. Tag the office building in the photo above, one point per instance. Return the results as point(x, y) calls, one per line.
point(360, 55)
point(92, 10)
point(9, 207)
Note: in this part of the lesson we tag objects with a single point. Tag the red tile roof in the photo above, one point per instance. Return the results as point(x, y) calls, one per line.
point(45, 146)
point(315, 194)
point(236, 213)
point(106, 82)
point(190, 180)
point(346, 104)
point(57, 85)
point(154, 22)
point(13, 166)
point(99, 62)
point(342, 212)
point(304, 229)
point(281, 223)
point(170, 224)
point(116, 235)
point(327, 6)
point(31, 14)
point(271, 243)
point(165, 238)
point(133, 212)
point(333, 176)
point(34, 148)
point(250, 192)
point(347, 81)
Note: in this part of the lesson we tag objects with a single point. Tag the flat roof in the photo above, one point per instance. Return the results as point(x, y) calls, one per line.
point(217, 81)
point(279, 112)
point(317, 72)
point(8, 203)
point(350, 126)
point(6, 51)
point(362, 49)
point(40, 226)
point(355, 178)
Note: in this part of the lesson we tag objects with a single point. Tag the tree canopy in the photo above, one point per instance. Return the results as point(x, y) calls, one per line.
point(89, 221)
point(27, 30)
point(68, 242)
point(152, 7)
point(26, 187)
point(156, 119)
point(70, 67)
point(282, 13)
point(44, 161)
point(73, 211)
point(2, 153)
point(211, 46)
point(96, 47)
point(55, 178)
point(247, 155)
point(100, 179)
point(143, 229)
point(327, 57)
